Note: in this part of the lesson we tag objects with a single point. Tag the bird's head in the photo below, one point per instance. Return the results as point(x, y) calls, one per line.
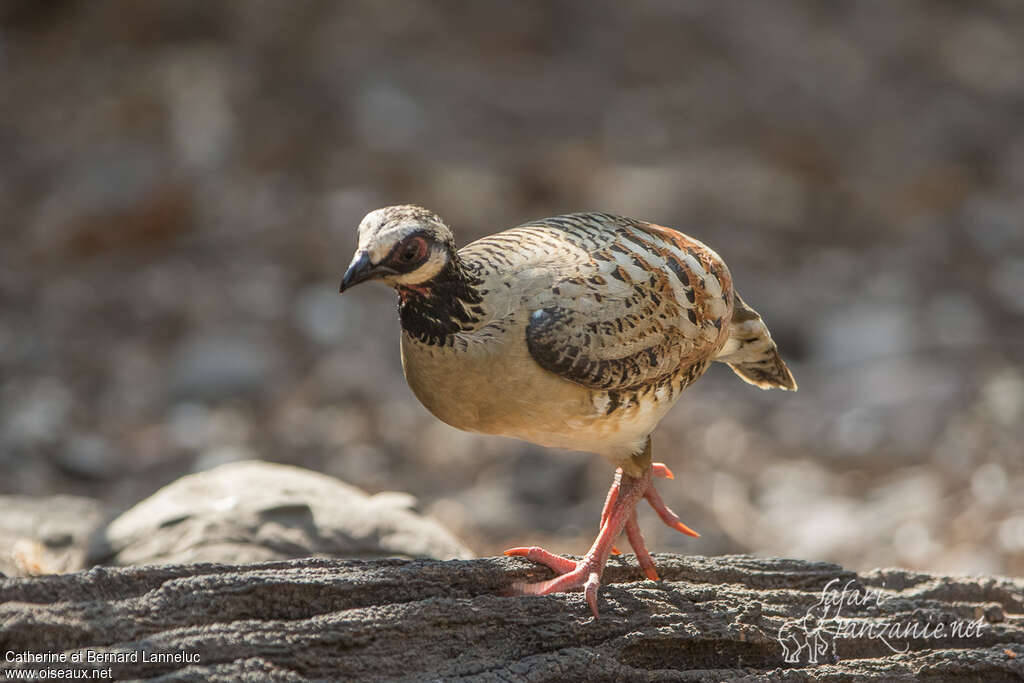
point(402, 246)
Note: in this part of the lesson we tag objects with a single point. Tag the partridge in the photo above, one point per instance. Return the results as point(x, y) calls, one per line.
point(579, 332)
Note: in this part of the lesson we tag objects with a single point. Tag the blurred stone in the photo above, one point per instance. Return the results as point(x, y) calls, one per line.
point(1003, 396)
point(47, 534)
point(954, 320)
point(961, 441)
point(726, 439)
point(222, 455)
point(967, 559)
point(395, 499)
point(861, 332)
point(188, 423)
point(39, 414)
point(362, 464)
point(539, 477)
point(493, 511)
point(344, 208)
point(202, 121)
point(731, 186)
point(135, 382)
point(634, 128)
point(646, 192)
point(215, 366)
point(994, 225)
point(260, 292)
point(733, 510)
point(228, 425)
point(89, 456)
point(1011, 534)
point(1007, 280)
point(325, 317)
point(988, 483)
point(372, 377)
point(386, 117)
point(910, 493)
point(532, 489)
point(859, 430)
point(913, 542)
point(473, 193)
point(985, 56)
point(119, 198)
point(254, 511)
point(259, 204)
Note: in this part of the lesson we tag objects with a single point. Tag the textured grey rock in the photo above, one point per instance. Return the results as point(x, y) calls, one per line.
point(47, 534)
point(710, 619)
point(256, 511)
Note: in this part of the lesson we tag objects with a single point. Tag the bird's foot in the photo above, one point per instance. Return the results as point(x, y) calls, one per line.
point(585, 573)
point(619, 513)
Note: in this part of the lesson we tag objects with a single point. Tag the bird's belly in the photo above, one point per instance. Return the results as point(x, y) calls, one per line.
point(508, 394)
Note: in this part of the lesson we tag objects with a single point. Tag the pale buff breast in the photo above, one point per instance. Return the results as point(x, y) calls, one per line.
point(503, 391)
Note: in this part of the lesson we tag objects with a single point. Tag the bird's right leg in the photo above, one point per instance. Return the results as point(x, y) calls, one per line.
point(586, 573)
point(618, 514)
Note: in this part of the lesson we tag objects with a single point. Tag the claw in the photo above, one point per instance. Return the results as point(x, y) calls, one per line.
point(660, 469)
point(590, 591)
point(667, 516)
point(682, 528)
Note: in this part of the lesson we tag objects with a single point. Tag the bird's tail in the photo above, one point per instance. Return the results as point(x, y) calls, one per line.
point(751, 353)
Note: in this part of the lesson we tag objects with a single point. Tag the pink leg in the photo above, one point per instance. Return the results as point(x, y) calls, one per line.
point(613, 494)
point(609, 501)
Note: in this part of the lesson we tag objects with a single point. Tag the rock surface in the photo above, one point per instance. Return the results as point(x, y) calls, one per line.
point(711, 619)
point(255, 511)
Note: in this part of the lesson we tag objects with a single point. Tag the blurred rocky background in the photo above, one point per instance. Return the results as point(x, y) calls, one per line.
point(180, 183)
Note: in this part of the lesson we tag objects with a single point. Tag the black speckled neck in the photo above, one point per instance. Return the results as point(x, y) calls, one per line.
point(432, 311)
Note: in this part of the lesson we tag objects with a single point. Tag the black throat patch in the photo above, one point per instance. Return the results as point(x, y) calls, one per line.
point(432, 311)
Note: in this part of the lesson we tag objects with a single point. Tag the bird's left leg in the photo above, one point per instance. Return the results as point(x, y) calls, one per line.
point(636, 537)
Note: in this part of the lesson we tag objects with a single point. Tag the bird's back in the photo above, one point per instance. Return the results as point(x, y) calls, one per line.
point(614, 303)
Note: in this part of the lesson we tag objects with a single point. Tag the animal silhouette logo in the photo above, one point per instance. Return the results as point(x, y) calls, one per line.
point(812, 636)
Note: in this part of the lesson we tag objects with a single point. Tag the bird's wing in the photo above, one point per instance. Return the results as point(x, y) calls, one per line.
point(630, 303)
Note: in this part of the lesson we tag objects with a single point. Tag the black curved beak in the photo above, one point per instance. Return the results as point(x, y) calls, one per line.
point(360, 270)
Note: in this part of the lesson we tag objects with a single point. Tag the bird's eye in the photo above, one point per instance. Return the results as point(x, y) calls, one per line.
point(412, 251)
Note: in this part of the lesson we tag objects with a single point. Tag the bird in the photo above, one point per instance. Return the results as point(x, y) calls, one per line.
point(577, 332)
